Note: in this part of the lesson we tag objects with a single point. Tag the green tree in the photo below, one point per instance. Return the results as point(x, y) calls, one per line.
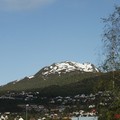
point(111, 41)
point(111, 61)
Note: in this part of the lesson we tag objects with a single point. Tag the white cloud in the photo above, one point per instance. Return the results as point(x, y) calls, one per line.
point(22, 4)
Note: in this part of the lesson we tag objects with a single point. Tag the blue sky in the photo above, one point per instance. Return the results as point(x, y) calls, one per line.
point(37, 33)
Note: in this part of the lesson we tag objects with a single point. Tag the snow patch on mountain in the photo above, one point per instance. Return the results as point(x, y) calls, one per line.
point(68, 66)
point(30, 77)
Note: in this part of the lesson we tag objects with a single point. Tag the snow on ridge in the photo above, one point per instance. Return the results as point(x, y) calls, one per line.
point(30, 77)
point(69, 66)
point(14, 82)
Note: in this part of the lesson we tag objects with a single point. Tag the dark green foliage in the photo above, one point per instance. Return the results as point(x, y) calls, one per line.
point(69, 84)
point(9, 105)
point(94, 84)
point(38, 82)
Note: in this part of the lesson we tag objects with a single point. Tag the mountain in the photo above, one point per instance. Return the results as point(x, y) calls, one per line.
point(68, 66)
point(60, 74)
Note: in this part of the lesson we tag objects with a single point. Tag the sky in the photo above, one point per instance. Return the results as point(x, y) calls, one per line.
point(38, 33)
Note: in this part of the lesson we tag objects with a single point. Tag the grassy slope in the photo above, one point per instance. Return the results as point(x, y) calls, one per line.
point(68, 84)
point(38, 82)
point(88, 85)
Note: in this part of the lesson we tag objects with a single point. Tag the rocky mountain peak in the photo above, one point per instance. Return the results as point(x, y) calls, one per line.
point(68, 66)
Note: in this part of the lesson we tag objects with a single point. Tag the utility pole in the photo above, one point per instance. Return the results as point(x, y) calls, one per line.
point(26, 111)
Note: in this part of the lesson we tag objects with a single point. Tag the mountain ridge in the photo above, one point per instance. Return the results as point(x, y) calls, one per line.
point(67, 66)
point(55, 74)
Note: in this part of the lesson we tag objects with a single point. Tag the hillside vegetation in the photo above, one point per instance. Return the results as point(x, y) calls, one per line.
point(68, 84)
point(38, 82)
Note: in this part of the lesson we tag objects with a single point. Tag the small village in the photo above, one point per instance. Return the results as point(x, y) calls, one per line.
point(67, 107)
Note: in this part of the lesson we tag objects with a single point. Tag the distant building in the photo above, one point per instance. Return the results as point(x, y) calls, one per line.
point(85, 118)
